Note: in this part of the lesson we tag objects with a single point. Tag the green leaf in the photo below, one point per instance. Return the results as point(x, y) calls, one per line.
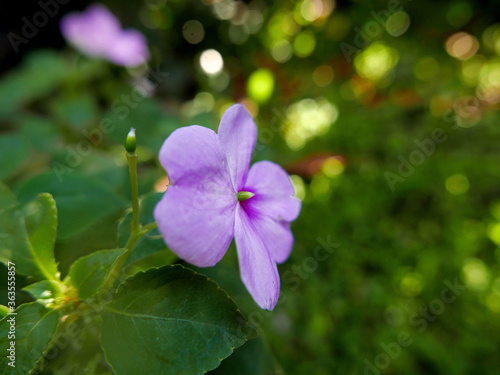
point(253, 358)
point(156, 260)
point(36, 327)
point(77, 111)
point(4, 310)
point(45, 289)
point(7, 199)
point(104, 166)
point(14, 245)
point(27, 235)
point(41, 225)
point(39, 74)
point(150, 243)
point(81, 201)
point(14, 151)
point(170, 321)
point(40, 131)
point(88, 273)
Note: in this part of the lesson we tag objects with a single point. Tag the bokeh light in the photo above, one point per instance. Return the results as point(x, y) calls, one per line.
point(376, 61)
point(457, 184)
point(495, 210)
point(299, 186)
point(219, 81)
point(475, 274)
point(459, 14)
point(411, 284)
point(398, 23)
point(491, 38)
point(462, 45)
point(254, 21)
point(304, 43)
point(307, 119)
point(211, 62)
point(281, 26)
point(238, 34)
point(494, 232)
point(489, 81)
point(493, 302)
point(225, 9)
point(471, 69)
point(323, 75)
point(260, 85)
point(193, 31)
point(282, 51)
point(311, 9)
point(203, 102)
point(332, 166)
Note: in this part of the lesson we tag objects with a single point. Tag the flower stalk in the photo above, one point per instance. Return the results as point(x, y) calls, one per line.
point(136, 231)
point(130, 146)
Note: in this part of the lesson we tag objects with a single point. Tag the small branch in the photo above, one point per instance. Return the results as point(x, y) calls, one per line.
point(117, 267)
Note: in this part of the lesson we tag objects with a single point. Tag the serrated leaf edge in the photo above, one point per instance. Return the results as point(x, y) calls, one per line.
point(123, 285)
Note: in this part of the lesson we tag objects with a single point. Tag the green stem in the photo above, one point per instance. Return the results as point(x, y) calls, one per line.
point(132, 166)
point(117, 267)
point(146, 228)
point(136, 232)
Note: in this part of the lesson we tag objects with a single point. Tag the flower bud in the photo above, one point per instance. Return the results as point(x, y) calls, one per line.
point(130, 141)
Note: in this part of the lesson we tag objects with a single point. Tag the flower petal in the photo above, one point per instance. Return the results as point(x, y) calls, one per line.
point(197, 226)
point(130, 49)
point(93, 31)
point(196, 214)
point(192, 155)
point(258, 271)
point(238, 134)
point(273, 191)
point(275, 234)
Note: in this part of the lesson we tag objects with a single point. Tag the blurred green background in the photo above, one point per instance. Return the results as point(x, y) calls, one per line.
point(349, 97)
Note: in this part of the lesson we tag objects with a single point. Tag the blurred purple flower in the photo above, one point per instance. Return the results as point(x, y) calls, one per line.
point(213, 197)
point(97, 32)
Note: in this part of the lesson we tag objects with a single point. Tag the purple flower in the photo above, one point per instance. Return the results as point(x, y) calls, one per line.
point(213, 197)
point(96, 32)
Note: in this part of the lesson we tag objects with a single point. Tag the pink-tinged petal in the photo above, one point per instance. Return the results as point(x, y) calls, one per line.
point(93, 31)
point(238, 134)
point(275, 234)
point(197, 225)
point(129, 49)
point(258, 271)
point(273, 191)
point(196, 214)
